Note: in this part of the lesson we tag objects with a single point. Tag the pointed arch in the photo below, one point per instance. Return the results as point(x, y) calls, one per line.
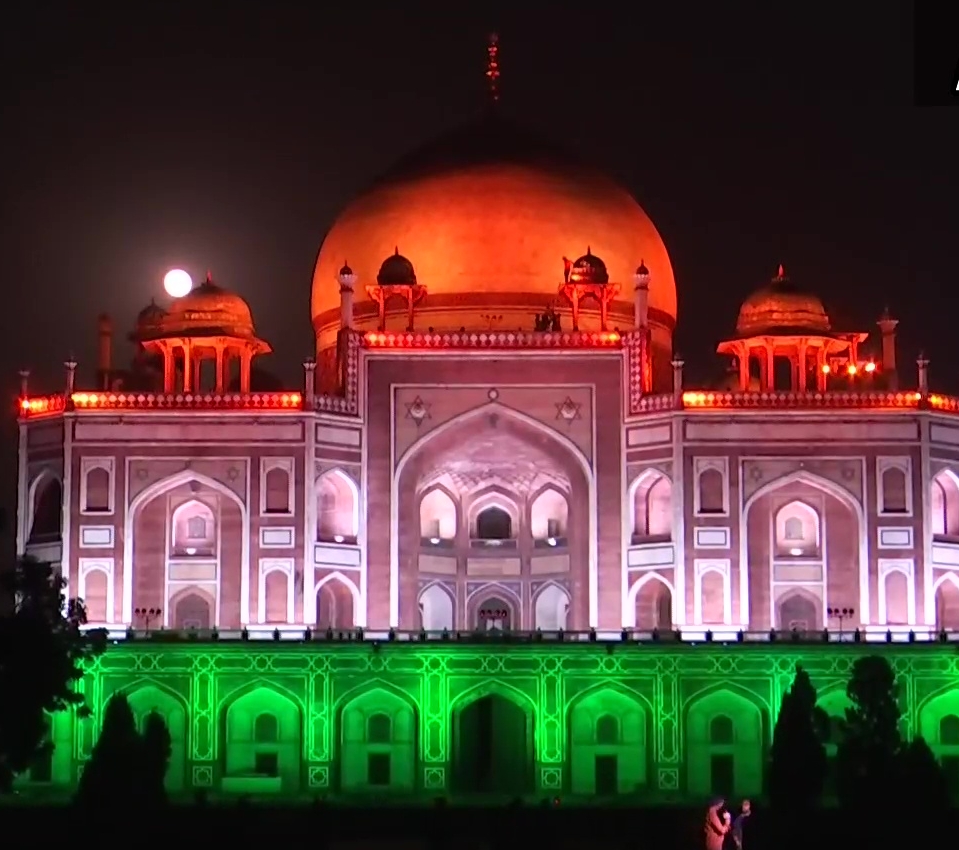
point(831, 488)
point(424, 596)
point(494, 589)
point(946, 577)
point(39, 480)
point(616, 687)
point(728, 687)
point(345, 478)
point(493, 687)
point(345, 580)
point(165, 485)
point(548, 512)
point(561, 594)
point(230, 697)
point(629, 614)
point(493, 497)
point(374, 684)
point(562, 440)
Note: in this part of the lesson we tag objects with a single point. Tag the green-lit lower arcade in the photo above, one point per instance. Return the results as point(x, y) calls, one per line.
point(661, 721)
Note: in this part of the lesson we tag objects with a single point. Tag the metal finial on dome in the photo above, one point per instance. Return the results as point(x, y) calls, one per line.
point(781, 274)
point(492, 67)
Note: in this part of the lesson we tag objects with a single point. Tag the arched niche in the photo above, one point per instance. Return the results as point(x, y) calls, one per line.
point(796, 531)
point(550, 608)
point(337, 508)
point(494, 518)
point(493, 608)
point(733, 766)
point(193, 530)
point(944, 504)
point(192, 608)
point(148, 698)
point(436, 608)
point(336, 602)
point(894, 489)
point(946, 598)
point(652, 502)
point(96, 592)
point(378, 742)
point(608, 750)
point(549, 516)
point(96, 490)
point(277, 487)
point(711, 487)
point(47, 508)
point(273, 764)
point(799, 610)
point(438, 517)
point(652, 606)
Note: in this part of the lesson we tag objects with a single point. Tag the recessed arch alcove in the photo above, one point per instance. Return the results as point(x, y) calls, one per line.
point(495, 464)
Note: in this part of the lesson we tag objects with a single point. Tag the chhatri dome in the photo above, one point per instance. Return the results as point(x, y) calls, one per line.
point(782, 307)
point(486, 214)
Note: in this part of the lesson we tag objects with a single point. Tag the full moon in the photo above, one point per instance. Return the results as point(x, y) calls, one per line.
point(177, 283)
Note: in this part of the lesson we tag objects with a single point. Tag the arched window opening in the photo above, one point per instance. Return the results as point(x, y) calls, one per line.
point(797, 612)
point(721, 731)
point(337, 510)
point(436, 609)
point(653, 509)
point(712, 495)
point(797, 531)
point(493, 524)
point(949, 731)
point(191, 612)
point(895, 499)
point(379, 729)
point(277, 497)
point(549, 515)
point(266, 729)
point(944, 499)
point(438, 519)
point(607, 730)
point(97, 495)
point(47, 511)
point(194, 531)
point(947, 605)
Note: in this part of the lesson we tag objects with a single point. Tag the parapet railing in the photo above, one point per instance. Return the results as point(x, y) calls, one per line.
point(611, 638)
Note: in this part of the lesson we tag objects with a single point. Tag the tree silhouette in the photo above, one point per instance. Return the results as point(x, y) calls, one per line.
point(126, 768)
point(41, 657)
point(157, 749)
point(868, 754)
point(922, 779)
point(797, 769)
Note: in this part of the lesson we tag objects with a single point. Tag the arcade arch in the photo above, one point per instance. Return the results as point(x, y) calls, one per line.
point(652, 603)
point(607, 743)
point(148, 698)
point(510, 484)
point(262, 730)
point(46, 508)
point(337, 602)
point(947, 602)
point(724, 750)
point(378, 742)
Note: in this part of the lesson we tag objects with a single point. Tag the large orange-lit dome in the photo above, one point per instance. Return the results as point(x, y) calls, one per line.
point(486, 216)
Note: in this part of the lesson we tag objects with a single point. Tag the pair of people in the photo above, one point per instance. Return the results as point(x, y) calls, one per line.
point(720, 824)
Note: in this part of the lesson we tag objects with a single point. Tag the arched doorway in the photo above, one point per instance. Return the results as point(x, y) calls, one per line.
point(654, 606)
point(797, 612)
point(492, 747)
point(334, 605)
point(493, 465)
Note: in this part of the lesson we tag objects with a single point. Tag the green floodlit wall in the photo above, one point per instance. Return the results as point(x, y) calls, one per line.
point(307, 719)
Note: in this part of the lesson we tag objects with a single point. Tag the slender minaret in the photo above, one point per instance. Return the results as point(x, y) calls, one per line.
point(677, 380)
point(104, 350)
point(309, 382)
point(347, 280)
point(887, 327)
point(923, 365)
point(24, 383)
point(641, 296)
point(71, 366)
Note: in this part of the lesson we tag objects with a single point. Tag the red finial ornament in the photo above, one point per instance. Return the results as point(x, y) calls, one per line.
point(492, 67)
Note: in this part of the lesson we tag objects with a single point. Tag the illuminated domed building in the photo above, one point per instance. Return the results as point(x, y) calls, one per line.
point(494, 497)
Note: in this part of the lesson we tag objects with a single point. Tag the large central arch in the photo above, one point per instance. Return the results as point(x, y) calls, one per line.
point(560, 441)
point(158, 488)
point(829, 488)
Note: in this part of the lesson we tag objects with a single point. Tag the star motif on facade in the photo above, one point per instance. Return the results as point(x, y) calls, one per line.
point(233, 473)
point(569, 411)
point(418, 410)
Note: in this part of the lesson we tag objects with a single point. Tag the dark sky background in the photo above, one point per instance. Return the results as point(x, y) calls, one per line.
point(227, 136)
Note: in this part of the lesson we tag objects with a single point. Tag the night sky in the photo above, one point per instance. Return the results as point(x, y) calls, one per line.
point(229, 137)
